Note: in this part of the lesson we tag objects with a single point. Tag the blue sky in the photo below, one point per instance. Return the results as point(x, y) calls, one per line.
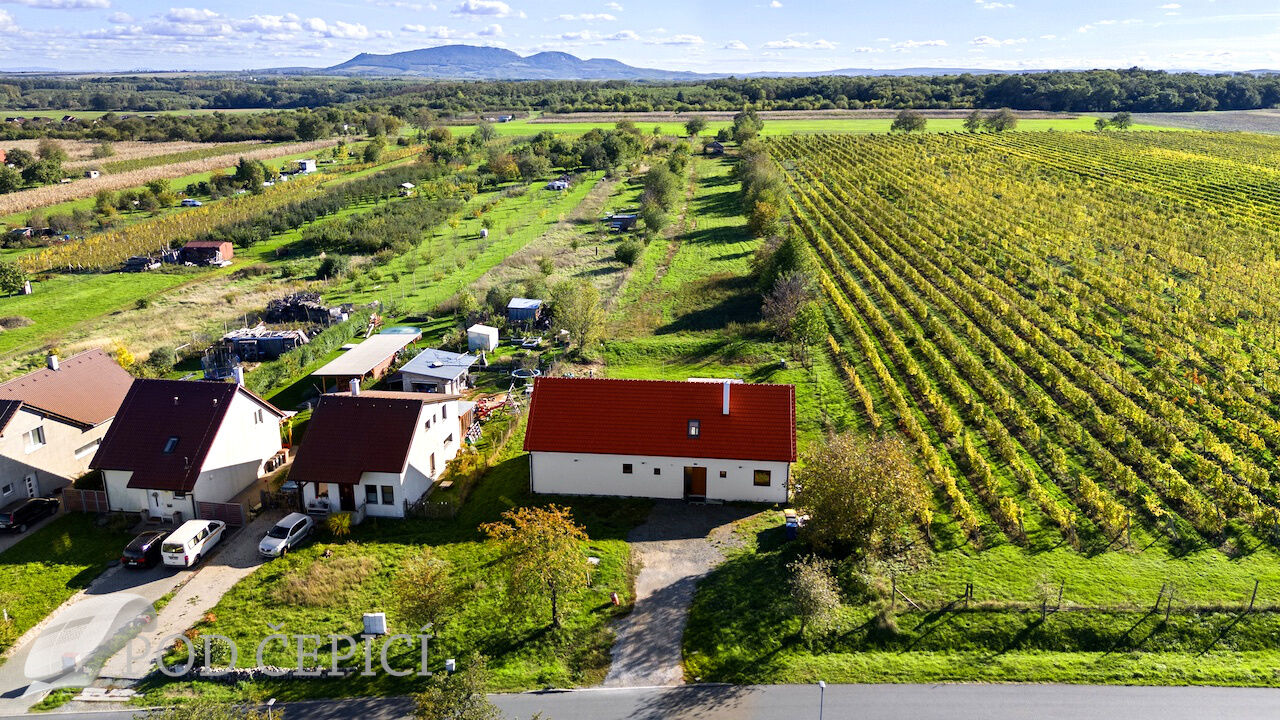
point(701, 35)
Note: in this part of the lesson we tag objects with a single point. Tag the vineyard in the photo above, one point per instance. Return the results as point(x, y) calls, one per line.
point(1076, 330)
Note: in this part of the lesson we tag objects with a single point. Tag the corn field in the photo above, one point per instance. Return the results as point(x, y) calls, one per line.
point(1076, 330)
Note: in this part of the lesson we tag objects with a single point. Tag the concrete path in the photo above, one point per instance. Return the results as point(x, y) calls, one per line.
point(235, 557)
point(677, 546)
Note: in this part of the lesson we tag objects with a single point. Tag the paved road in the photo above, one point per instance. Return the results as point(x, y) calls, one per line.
point(676, 546)
point(864, 702)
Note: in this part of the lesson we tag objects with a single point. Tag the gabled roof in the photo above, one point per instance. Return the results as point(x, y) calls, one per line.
point(349, 435)
point(439, 364)
point(211, 244)
point(86, 390)
point(154, 412)
point(651, 417)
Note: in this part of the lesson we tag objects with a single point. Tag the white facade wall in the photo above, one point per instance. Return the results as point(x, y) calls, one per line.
point(243, 443)
point(597, 474)
point(447, 387)
point(64, 457)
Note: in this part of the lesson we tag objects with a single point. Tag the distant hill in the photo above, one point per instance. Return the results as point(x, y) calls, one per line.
point(469, 62)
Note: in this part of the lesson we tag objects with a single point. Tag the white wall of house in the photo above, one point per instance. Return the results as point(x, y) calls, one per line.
point(599, 474)
point(412, 382)
point(248, 437)
point(63, 457)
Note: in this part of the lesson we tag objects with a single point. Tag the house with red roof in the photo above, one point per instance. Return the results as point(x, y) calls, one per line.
point(175, 443)
point(695, 440)
point(375, 453)
point(53, 420)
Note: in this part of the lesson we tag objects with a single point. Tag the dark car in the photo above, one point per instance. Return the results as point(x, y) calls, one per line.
point(18, 516)
point(144, 551)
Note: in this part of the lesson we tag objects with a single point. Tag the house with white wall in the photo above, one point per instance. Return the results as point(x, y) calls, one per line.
point(53, 420)
point(437, 371)
point(176, 443)
point(375, 453)
point(695, 440)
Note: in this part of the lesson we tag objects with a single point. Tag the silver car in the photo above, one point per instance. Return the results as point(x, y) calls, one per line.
point(287, 534)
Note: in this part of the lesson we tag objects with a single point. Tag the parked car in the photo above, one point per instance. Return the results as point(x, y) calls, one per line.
point(191, 202)
point(23, 513)
point(286, 535)
point(144, 550)
point(191, 541)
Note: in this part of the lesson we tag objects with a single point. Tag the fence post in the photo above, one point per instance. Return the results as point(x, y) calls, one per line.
point(1254, 596)
point(1168, 606)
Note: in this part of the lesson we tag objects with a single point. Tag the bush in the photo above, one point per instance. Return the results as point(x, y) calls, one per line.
point(333, 266)
point(628, 251)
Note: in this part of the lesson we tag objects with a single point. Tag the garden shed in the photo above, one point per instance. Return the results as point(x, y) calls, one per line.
point(482, 337)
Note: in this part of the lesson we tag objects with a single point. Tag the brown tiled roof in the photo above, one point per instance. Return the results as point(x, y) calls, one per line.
point(153, 412)
point(86, 389)
point(349, 435)
point(651, 417)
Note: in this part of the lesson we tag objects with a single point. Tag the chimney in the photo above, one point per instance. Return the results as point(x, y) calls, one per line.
point(724, 407)
point(175, 401)
point(238, 373)
point(355, 386)
point(52, 362)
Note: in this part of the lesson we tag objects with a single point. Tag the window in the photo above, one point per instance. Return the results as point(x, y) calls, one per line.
point(34, 438)
point(7, 489)
point(388, 495)
point(626, 468)
point(433, 463)
point(724, 473)
point(444, 411)
point(171, 444)
point(371, 494)
point(428, 423)
point(695, 428)
point(258, 416)
point(88, 449)
point(449, 440)
point(657, 471)
point(763, 477)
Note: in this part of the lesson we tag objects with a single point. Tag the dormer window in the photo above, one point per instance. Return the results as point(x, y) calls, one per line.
point(695, 428)
point(171, 444)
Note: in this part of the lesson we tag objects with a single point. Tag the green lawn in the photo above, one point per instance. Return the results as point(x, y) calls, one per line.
point(525, 652)
point(50, 565)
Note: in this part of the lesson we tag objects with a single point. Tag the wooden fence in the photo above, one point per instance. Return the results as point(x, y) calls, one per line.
point(94, 501)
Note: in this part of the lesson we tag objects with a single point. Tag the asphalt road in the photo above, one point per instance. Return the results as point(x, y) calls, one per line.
point(863, 702)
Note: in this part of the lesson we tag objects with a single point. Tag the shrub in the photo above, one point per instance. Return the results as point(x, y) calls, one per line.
point(628, 251)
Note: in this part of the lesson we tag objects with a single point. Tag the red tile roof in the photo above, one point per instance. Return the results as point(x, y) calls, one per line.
point(651, 417)
point(349, 435)
point(153, 412)
point(86, 389)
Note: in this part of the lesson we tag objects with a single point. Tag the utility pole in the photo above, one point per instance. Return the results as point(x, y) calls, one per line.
point(822, 693)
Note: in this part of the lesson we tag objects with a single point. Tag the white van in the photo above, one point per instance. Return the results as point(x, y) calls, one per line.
point(192, 540)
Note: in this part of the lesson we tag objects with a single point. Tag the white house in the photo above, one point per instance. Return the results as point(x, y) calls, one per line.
point(482, 337)
point(176, 443)
point(52, 421)
point(661, 439)
point(307, 165)
point(437, 371)
point(375, 453)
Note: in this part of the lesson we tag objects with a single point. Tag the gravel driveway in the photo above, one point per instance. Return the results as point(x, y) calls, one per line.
point(677, 546)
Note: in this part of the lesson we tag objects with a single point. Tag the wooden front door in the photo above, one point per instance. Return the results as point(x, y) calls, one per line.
point(695, 482)
point(347, 497)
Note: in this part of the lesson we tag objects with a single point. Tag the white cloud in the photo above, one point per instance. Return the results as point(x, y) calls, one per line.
point(62, 4)
point(7, 23)
point(912, 44)
point(993, 5)
point(616, 7)
point(494, 30)
point(588, 17)
point(120, 18)
point(192, 15)
point(495, 8)
point(442, 32)
point(1170, 6)
point(865, 49)
point(735, 45)
point(774, 4)
point(402, 5)
point(794, 44)
point(624, 35)
point(1048, 37)
point(578, 36)
point(678, 40)
point(339, 29)
point(987, 40)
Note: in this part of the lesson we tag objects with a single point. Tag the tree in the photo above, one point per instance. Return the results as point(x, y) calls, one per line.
point(200, 708)
point(815, 595)
point(373, 150)
point(1001, 120)
point(424, 590)
point(485, 131)
point(790, 292)
point(249, 174)
point(542, 552)
point(661, 187)
point(12, 278)
point(532, 166)
point(695, 125)
point(1121, 121)
point(575, 306)
point(43, 172)
point(311, 127)
point(10, 179)
point(103, 149)
point(654, 217)
point(746, 125)
point(19, 158)
point(333, 266)
point(858, 494)
point(973, 122)
point(50, 149)
point(809, 326)
point(459, 695)
point(1100, 124)
point(908, 121)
